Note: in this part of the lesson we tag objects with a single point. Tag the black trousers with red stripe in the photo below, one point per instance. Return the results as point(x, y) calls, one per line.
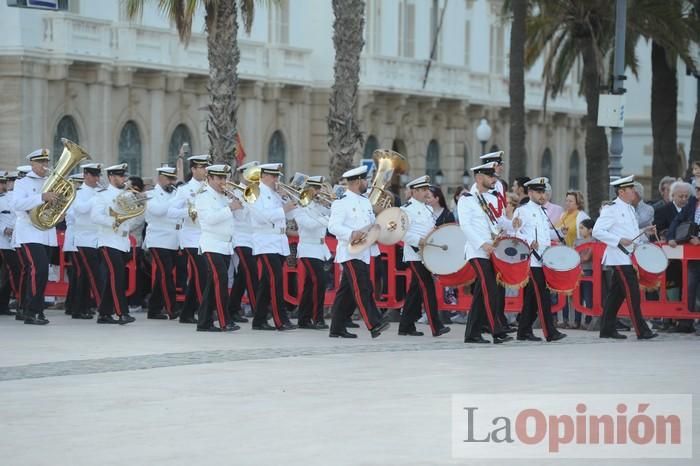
point(74, 274)
point(36, 266)
point(113, 289)
point(484, 300)
point(10, 278)
point(215, 294)
point(196, 281)
point(270, 292)
point(245, 280)
point(163, 290)
point(88, 287)
point(420, 291)
point(23, 280)
point(536, 301)
point(355, 291)
point(625, 285)
point(314, 290)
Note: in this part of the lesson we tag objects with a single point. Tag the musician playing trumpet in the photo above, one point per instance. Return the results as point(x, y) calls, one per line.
point(422, 287)
point(348, 216)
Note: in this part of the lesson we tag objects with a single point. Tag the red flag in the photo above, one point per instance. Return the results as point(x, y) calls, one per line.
point(240, 152)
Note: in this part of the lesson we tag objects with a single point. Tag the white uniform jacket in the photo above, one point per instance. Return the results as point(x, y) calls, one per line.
point(476, 225)
point(497, 197)
point(85, 230)
point(99, 214)
point(7, 220)
point(190, 231)
point(69, 233)
point(617, 220)
point(242, 224)
point(27, 195)
point(312, 233)
point(348, 214)
point(420, 225)
point(161, 228)
point(269, 224)
point(216, 222)
point(535, 227)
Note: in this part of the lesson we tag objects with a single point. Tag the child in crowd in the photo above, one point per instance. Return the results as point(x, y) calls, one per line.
point(695, 178)
point(586, 236)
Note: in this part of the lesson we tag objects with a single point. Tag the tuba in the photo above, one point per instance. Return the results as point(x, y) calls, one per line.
point(48, 214)
point(129, 204)
point(387, 163)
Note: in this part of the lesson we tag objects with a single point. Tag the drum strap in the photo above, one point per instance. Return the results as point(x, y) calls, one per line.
point(561, 239)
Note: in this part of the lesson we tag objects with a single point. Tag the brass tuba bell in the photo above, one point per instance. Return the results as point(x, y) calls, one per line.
point(129, 204)
point(387, 163)
point(48, 214)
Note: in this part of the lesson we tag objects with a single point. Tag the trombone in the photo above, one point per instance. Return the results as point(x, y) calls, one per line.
point(250, 193)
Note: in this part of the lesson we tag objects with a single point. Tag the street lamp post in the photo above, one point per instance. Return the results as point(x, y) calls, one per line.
point(483, 134)
point(439, 177)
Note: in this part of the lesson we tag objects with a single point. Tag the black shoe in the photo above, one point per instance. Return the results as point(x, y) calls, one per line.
point(263, 326)
point(529, 337)
point(188, 320)
point(35, 321)
point(351, 324)
point(81, 316)
point(208, 329)
point(412, 333)
point(497, 340)
point(231, 327)
point(236, 317)
point(158, 316)
point(619, 325)
point(174, 315)
point(321, 325)
point(442, 331)
point(616, 335)
point(19, 316)
point(343, 334)
point(7, 313)
point(125, 319)
point(107, 320)
point(556, 336)
point(287, 326)
point(478, 339)
point(377, 330)
point(647, 336)
point(308, 325)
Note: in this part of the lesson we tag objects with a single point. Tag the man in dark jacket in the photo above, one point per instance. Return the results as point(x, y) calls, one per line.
point(663, 216)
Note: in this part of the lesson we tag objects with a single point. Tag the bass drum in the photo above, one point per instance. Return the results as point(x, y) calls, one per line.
point(651, 262)
point(443, 255)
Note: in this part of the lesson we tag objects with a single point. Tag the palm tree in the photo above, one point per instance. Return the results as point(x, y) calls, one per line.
point(694, 153)
point(344, 136)
point(221, 18)
point(518, 153)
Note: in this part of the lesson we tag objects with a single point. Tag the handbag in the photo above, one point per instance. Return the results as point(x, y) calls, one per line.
point(685, 231)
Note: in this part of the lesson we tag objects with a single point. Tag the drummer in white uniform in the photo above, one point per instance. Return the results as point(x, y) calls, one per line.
point(422, 287)
point(481, 228)
point(618, 228)
point(536, 232)
point(312, 253)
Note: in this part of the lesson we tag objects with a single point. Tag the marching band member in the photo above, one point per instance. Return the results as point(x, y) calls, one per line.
point(480, 226)
point(162, 241)
point(10, 277)
point(137, 227)
point(536, 232)
point(20, 272)
point(245, 279)
point(312, 254)
point(618, 228)
point(215, 211)
point(114, 245)
point(85, 232)
point(422, 287)
point(270, 246)
point(348, 214)
point(74, 271)
point(34, 242)
point(189, 235)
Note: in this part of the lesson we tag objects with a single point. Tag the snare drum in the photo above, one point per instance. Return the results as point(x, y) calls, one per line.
point(443, 255)
point(562, 268)
point(511, 260)
point(651, 263)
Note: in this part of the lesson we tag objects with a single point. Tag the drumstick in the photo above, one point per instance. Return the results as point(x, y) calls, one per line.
point(441, 246)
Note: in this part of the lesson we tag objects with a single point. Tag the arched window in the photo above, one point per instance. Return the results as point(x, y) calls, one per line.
point(65, 129)
point(180, 135)
point(130, 147)
point(371, 144)
point(276, 149)
point(432, 159)
point(546, 164)
point(574, 171)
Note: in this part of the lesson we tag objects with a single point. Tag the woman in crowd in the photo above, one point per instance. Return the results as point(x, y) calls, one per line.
point(436, 200)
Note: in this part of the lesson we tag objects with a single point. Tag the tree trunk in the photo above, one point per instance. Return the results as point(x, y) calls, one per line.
point(518, 154)
point(344, 137)
point(224, 55)
point(694, 154)
point(664, 120)
point(596, 145)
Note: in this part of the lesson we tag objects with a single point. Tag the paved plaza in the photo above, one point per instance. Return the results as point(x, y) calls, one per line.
point(159, 393)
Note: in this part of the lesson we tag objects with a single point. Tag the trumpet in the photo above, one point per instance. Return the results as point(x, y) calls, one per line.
point(301, 197)
point(250, 193)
